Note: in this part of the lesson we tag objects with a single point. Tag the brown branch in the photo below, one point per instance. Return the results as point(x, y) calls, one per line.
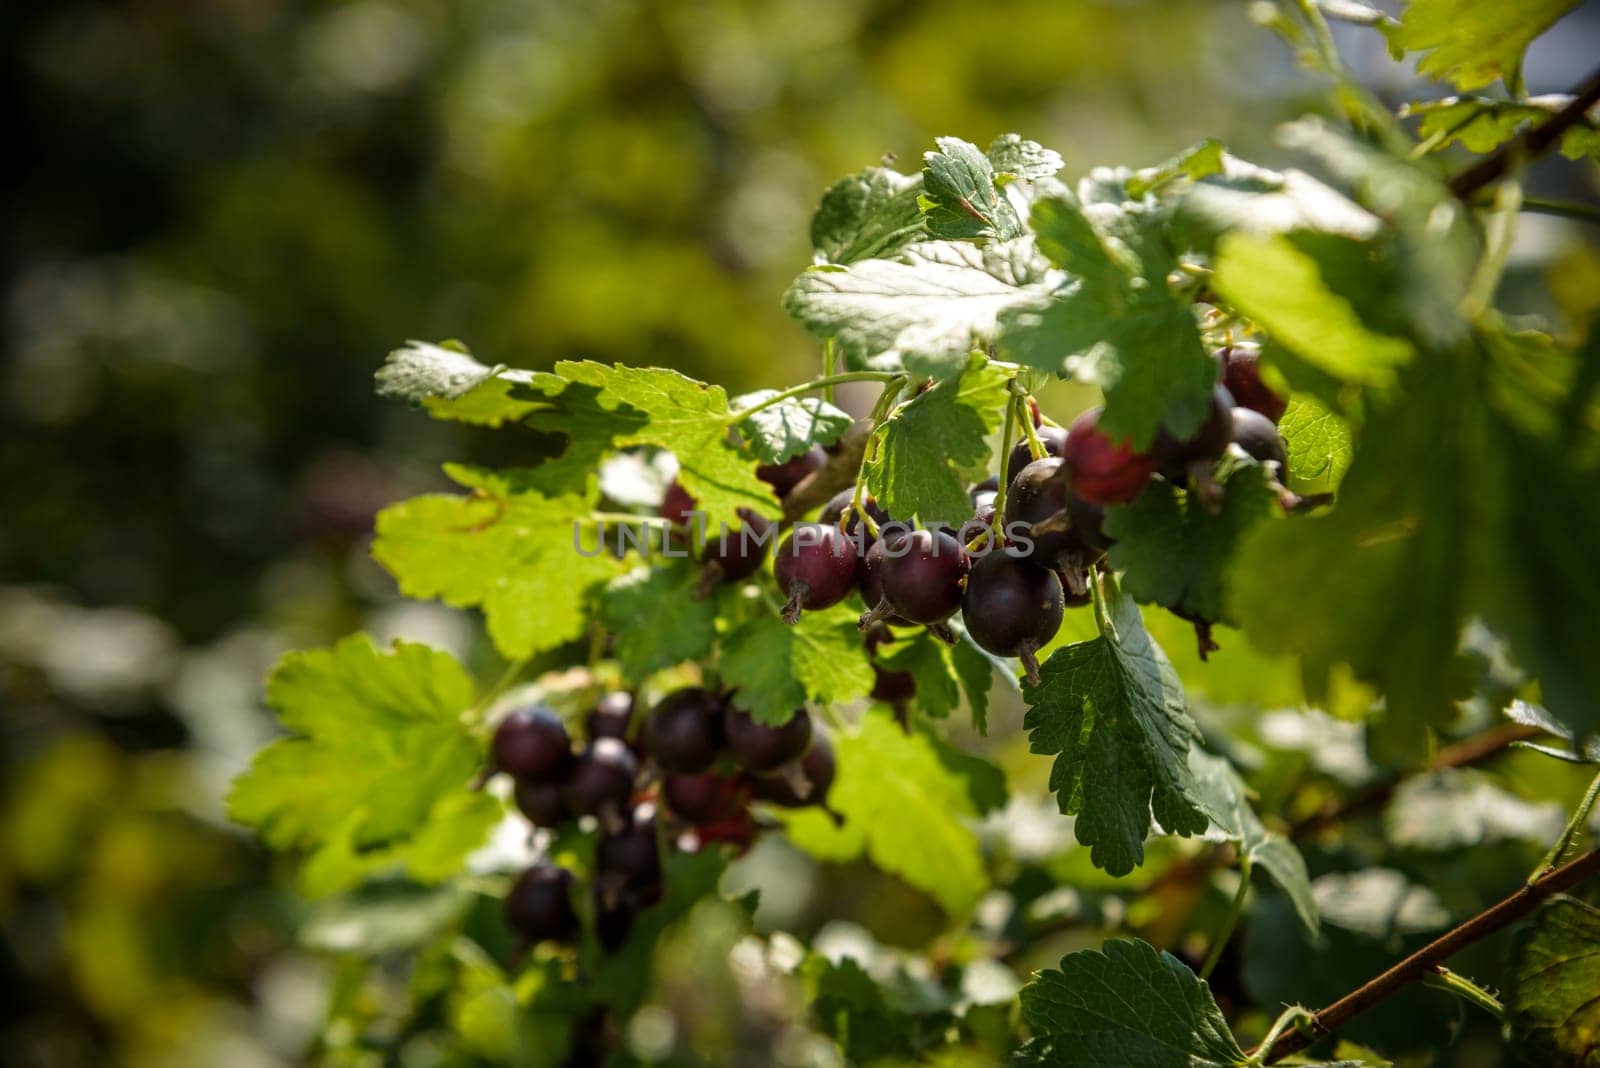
point(837, 474)
point(1536, 142)
point(1468, 750)
point(1485, 923)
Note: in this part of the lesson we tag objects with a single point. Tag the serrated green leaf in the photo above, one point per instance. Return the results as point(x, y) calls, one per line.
point(419, 370)
point(923, 311)
point(975, 668)
point(1459, 808)
point(1483, 124)
point(1129, 1005)
point(1281, 288)
point(775, 668)
point(1173, 551)
point(656, 620)
point(867, 1019)
point(526, 1021)
point(1319, 444)
point(867, 216)
point(1117, 325)
point(1473, 42)
point(514, 554)
point(1112, 712)
point(688, 418)
point(929, 662)
point(790, 427)
point(933, 446)
point(959, 195)
point(376, 777)
point(1015, 155)
point(1555, 988)
point(1225, 798)
point(1532, 715)
point(904, 809)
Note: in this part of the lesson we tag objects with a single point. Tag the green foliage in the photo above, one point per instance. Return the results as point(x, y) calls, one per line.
point(775, 668)
point(960, 197)
point(657, 618)
point(375, 778)
point(1555, 1008)
point(1483, 124)
point(1473, 42)
point(1319, 444)
point(789, 427)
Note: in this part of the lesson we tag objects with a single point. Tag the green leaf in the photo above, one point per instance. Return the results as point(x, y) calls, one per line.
point(1241, 196)
point(1015, 155)
point(975, 668)
point(1555, 987)
point(688, 418)
point(1196, 161)
point(526, 1021)
point(929, 661)
point(419, 370)
point(656, 620)
point(1532, 715)
point(923, 311)
point(1118, 324)
point(1281, 287)
point(383, 918)
point(1173, 551)
point(867, 216)
point(1225, 798)
point(1319, 443)
point(1473, 42)
point(515, 554)
point(904, 809)
point(1462, 808)
point(867, 1019)
point(960, 197)
point(1129, 1005)
point(1112, 712)
point(1483, 124)
point(775, 668)
point(790, 427)
point(376, 777)
point(623, 978)
point(933, 446)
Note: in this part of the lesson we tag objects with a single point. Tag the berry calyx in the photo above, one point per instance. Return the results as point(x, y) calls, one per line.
point(815, 568)
point(759, 748)
point(705, 798)
point(1258, 436)
point(531, 744)
point(543, 803)
point(538, 907)
point(611, 716)
point(1103, 470)
point(1054, 440)
point(784, 477)
point(601, 783)
point(1241, 373)
point(1173, 456)
point(815, 769)
point(1012, 607)
point(684, 731)
point(922, 575)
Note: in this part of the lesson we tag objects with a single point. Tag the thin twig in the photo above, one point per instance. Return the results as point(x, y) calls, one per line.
point(1531, 144)
point(1490, 920)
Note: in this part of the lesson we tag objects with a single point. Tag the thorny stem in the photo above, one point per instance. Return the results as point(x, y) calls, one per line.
point(1492, 919)
point(1569, 833)
point(1220, 941)
point(806, 387)
point(1442, 978)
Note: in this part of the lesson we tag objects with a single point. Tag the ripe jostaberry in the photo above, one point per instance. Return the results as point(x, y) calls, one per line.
point(736, 554)
point(1054, 440)
point(1258, 437)
point(922, 575)
point(816, 768)
point(1039, 494)
point(892, 687)
point(677, 505)
point(1103, 470)
point(611, 716)
point(601, 783)
point(1241, 373)
point(1173, 456)
point(815, 568)
point(684, 731)
point(708, 798)
point(762, 749)
point(870, 581)
point(543, 803)
point(631, 858)
point(840, 512)
point(538, 906)
point(1012, 607)
point(532, 744)
point(785, 476)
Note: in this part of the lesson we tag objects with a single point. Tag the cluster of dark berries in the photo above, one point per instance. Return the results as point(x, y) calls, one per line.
point(696, 753)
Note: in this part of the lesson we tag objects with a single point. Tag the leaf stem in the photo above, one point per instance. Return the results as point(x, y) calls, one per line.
point(824, 382)
point(1036, 447)
point(1492, 919)
point(1219, 941)
point(1569, 833)
point(1530, 144)
point(880, 412)
point(1327, 50)
point(997, 524)
point(1287, 1018)
point(830, 364)
point(1563, 209)
point(1442, 978)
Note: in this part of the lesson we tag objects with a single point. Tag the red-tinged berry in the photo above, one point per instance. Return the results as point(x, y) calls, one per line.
point(684, 731)
point(538, 906)
point(611, 716)
point(1038, 496)
point(922, 575)
point(1173, 456)
point(601, 783)
point(760, 748)
point(531, 744)
point(1259, 438)
point(543, 803)
point(738, 831)
point(815, 568)
point(815, 772)
point(678, 506)
point(1054, 440)
point(1104, 471)
point(1241, 373)
point(785, 476)
point(1012, 607)
point(1034, 413)
point(705, 798)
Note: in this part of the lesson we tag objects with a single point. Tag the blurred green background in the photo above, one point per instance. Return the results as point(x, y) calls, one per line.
point(222, 213)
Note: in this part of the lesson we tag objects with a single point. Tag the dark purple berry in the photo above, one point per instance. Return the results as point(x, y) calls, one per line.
point(840, 505)
point(1012, 607)
point(1257, 436)
point(601, 783)
point(1088, 523)
point(1054, 440)
point(610, 716)
point(1173, 456)
point(870, 580)
point(815, 772)
point(614, 914)
point(707, 798)
point(1241, 373)
point(631, 858)
point(815, 568)
point(892, 687)
point(532, 744)
point(684, 731)
point(787, 475)
point(922, 575)
point(677, 506)
point(538, 906)
point(759, 748)
point(1039, 495)
point(542, 803)
point(737, 554)
point(1103, 470)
